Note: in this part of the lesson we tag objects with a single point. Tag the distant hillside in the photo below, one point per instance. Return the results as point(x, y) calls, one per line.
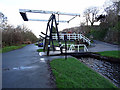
point(72, 29)
point(82, 30)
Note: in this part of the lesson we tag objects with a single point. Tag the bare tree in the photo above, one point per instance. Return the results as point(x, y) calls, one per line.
point(1, 17)
point(14, 36)
point(3, 20)
point(18, 35)
point(113, 14)
point(90, 15)
point(112, 23)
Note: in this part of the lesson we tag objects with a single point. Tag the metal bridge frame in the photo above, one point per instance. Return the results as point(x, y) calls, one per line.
point(25, 18)
point(50, 27)
point(51, 20)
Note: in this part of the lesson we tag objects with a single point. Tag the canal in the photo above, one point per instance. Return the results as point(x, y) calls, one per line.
point(108, 69)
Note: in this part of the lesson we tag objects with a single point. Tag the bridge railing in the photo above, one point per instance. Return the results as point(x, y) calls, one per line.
point(73, 36)
point(71, 47)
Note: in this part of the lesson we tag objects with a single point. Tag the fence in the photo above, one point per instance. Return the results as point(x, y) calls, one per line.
point(70, 47)
point(73, 36)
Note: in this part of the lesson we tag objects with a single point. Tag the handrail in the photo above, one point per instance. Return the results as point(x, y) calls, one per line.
point(72, 46)
point(72, 36)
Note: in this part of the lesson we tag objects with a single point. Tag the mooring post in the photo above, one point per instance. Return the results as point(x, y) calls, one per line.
point(65, 38)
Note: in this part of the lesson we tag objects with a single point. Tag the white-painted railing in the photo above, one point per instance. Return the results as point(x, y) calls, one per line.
point(73, 36)
point(71, 47)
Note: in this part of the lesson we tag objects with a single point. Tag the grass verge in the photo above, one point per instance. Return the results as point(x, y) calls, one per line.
point(71, 73)
point(36, 44)
point(10, 48)
point(115, 54)
point(63, 42)
point(39, 50)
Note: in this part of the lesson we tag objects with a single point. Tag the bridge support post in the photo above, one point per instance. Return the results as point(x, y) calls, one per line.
point(50, 27)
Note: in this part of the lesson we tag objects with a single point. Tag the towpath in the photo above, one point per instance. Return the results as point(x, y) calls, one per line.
point(24, 68)
point(99, 46)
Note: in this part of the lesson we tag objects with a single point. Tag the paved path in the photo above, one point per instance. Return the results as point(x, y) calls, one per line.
point(24, 68)
point(99, 46)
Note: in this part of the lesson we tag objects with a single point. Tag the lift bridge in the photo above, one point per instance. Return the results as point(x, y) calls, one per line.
point(53, 22)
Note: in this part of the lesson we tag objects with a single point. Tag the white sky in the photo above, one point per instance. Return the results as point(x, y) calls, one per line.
point(10, 8)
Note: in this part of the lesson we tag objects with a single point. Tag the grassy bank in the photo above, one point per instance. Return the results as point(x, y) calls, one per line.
point(63, 42)
point(115, 54)
point(36, 44)
point(71, 73)
point(39, 50)
point(10, 48)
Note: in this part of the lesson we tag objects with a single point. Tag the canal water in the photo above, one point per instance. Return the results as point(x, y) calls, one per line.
point(107, 69)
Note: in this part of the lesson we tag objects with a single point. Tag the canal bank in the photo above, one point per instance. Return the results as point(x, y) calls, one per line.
point(109, 70)
point(99, 66)
point(72, 73)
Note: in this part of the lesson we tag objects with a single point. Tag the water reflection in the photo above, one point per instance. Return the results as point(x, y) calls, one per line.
point(42, 59)
point(21, 68)
point(109, 69)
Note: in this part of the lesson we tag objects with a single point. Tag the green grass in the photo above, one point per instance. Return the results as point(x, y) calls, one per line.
point(71, 73)
point(39, 50)
point(10, 48)
point(62, 42)
point(115, 54)
point(81, 47)
point(36, 44)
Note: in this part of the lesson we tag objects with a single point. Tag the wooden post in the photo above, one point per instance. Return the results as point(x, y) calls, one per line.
point(65, 37)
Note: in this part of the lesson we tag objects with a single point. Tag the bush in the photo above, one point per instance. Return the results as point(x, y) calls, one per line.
point(18, 35)
point(98, 34)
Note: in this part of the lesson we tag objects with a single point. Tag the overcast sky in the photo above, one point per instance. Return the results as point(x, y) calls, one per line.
point(10, 8)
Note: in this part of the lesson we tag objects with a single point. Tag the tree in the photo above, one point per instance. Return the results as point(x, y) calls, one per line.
point(18, 35)
point(90, 15)
point(1, 17)
point(9, 35)
point(112, 16)
point(112, 23)
point(3, 20)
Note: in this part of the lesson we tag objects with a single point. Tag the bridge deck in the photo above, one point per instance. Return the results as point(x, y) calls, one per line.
point(52, 53)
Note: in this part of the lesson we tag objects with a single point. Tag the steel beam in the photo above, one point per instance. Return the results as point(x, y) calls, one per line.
point(42, 37)
point(71, 19)
point(45, 20)
point(45, 34)
point(48, 12)
point(24, 16)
